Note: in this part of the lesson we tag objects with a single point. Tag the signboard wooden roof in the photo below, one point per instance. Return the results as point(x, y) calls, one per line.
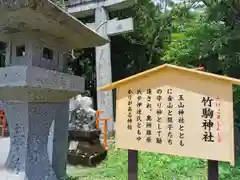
point(169, 67)
point(176, 110)
point(44, 17)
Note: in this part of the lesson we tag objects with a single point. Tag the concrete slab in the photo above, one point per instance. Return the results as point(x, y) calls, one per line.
point(5, 146)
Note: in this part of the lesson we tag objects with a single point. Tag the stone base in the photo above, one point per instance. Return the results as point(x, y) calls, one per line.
point(58, 141)
point(29, 125)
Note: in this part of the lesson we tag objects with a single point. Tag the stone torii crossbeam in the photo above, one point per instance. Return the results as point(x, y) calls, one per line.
point(107, 28)
point(33, 85)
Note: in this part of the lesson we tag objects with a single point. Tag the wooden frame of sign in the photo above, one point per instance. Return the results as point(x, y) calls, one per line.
point(177, 111)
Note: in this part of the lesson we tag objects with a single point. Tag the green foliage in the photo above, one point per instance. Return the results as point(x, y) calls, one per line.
point(133, 52)
point(208, 36)
point(211, 40)
point(200, 41)
point(72, 178)
point(158, 167)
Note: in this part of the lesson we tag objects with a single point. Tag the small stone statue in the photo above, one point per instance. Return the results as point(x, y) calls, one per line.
point(82, 116)
point(85, 147)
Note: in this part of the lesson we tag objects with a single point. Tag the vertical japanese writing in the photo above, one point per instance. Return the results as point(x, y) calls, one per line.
point(18, 139)
point(170, 116)
point(159, 117)
point(149, 117)
point(181, 118)
point(207, 115)
point(139, 114)
point(129, 121)
point(218, 116)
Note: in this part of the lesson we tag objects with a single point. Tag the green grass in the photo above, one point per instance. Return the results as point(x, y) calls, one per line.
point(153, 166)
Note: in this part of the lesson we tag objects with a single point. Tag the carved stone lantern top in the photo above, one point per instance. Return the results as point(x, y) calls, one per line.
point(44, 18)
point(39, 34)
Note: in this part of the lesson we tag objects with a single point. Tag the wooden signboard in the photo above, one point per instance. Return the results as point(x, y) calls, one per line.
point(178, 111)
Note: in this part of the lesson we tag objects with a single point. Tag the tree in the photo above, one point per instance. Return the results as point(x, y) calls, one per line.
point(192, 33)
point(139, 50)
point(212, 41)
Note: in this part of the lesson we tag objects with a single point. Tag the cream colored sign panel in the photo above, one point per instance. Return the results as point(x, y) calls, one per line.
point(188, 117)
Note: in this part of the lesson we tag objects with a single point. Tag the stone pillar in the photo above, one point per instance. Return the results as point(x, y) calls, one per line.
point(103, 67)
point(29, 125)
point(60, 140)
point(58, 137)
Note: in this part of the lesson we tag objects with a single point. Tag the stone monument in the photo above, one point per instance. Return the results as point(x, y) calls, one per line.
point(34, 90)
point(81, 112)
point(107, 28)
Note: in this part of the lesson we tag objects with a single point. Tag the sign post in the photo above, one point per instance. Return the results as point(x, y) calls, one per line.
point(177, 111)
point(132, 165)
point(212, 170)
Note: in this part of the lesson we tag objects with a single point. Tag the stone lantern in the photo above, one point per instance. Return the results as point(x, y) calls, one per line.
point(33, 84)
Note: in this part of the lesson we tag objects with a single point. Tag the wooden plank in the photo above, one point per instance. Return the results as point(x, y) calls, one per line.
point(157, 69)
point(132, 165)
point(213, 170)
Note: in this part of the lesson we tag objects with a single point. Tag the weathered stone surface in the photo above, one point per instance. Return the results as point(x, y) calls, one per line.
point(82, 116)
point(104, 70)
point(38, 96)
point(29, 125)
point(115, 26)
point(33, 84)
point(43, 17)
point(60, 140)
point(57, 144)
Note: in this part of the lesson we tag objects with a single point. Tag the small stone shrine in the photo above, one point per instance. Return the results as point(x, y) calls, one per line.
point(81, 112)
point(35, 91)
point(178, 111)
